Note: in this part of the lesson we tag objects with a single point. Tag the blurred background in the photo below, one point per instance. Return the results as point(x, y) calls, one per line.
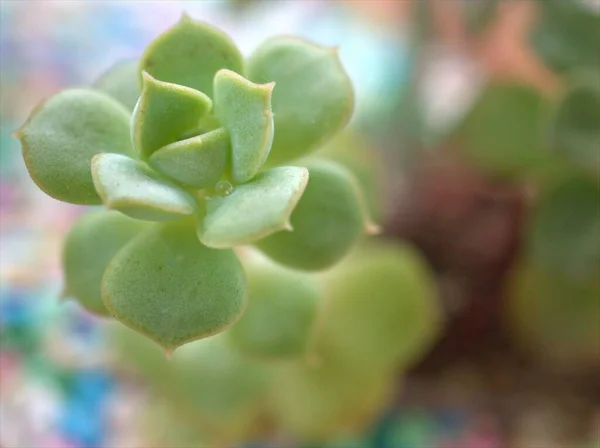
point(477, 139)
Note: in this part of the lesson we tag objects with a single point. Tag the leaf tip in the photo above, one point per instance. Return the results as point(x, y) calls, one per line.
point(287, 226)
point(185, 18)
point(372, 229)
point(169, 353)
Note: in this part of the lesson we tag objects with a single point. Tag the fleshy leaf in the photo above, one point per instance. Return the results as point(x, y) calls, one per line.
point(244, 109)
point(197, 162)
point(503, 133)
point(168, 286)
point(565, 229)
point(381, 309)
point(88, 248)
point(575, 129)
point(253, 210)
point(567, 35)
point(328, 220)
point(313, 99)
point(281, 313)
point(190, 53)
point(554, 316)
point(63, 134)
point(163, 113)
point(122, 83)
point(133, 188)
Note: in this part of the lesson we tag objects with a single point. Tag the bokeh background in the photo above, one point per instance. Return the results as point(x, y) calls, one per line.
point(507, 368)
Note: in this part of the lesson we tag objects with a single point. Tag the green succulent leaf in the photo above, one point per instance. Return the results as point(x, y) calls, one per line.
point(196, 162)
point(313, 99)
point(328, 220)
point(565, 229)
point(503, 133)
point(555, 316)
point(253, 210)
point(567, 35)
point(244, 109)
point(381, 309)
point(133, 188)
point(63, 134)
point(89, 246)
point(575, 129)
point(281, 314)
point(122, 83)
point(163, 113)
point(168, 286)
point(190, 54)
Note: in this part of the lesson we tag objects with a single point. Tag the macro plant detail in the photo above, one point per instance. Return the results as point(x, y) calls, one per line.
point(194, 151)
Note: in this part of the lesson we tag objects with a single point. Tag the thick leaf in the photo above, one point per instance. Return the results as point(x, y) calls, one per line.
point(576, 126)
point(567, 34)
point(168, 286)
point(253, 210)
point(63, 134)
point(122, 83)
point(313, 99)
point(503, 133)
point(565, 229)
point(131, 187)
point(328, 220)
point(197, 162)
point(320, 402)
point(281, 313)
point(163, 113)
point(244, 108)
point(381, 310)
point(88, 248)
point(554, 316)
point(222, 388)
point(190, 53)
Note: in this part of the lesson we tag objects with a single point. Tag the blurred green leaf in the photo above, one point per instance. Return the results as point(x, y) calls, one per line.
point(503, 134)
point(190, 54)
point(163, 113)
point(171, 288)
point(63, 134)
point(575, 129)
point(313, 97)
point(122, 83)
point(281, 314)
point(253, 210)
point(91, 243)
point(132, 188)
point(564, 233)
point(567, 34)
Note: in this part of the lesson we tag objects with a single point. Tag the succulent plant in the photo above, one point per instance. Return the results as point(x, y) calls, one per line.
point(195, 151)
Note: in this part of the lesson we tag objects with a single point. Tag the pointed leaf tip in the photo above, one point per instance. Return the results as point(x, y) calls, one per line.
point(244, 108)
point(190, 53)
point(134, 189)
point(253, 210)
point(168, 286)
point(164, 112)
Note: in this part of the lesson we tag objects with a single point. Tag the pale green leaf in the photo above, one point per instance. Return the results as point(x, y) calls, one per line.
point(244, 108)
point(197, 162)
point(190, 53)
point(281, 314)
point(328, 220)
point(89, 246)
point(313, 98)
point(163, 113)
point(168, 286)
point(253, 210)
point(122, 83)
point(133, 188)
point(63, 134)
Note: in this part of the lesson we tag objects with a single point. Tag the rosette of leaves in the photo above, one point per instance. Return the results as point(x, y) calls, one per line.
point(205, 161)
